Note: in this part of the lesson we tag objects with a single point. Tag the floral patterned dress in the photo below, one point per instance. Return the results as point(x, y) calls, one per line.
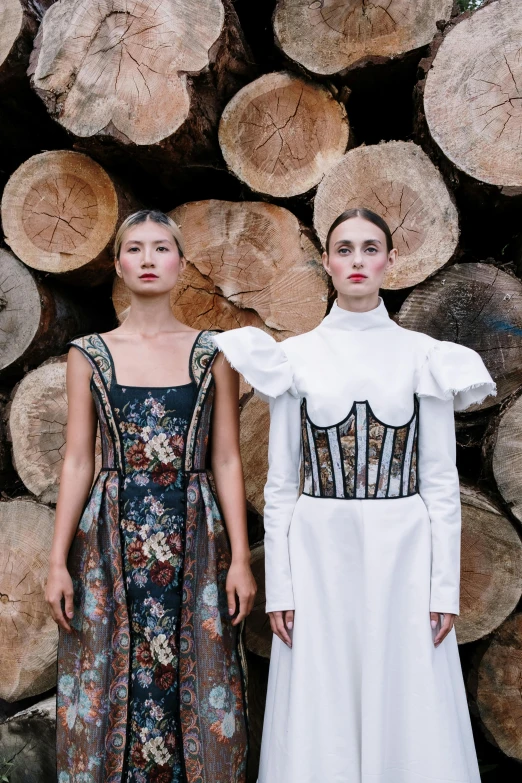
point(153, 425)
point(152, 679)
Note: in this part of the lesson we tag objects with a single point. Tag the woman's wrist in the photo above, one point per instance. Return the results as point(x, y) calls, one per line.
point(241, 557)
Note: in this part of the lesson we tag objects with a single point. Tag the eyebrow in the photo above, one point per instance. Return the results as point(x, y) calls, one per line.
point(154, 241)
point(366, 242)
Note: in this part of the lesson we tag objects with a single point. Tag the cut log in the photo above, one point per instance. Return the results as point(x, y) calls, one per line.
point(255, 425)
point(328, 36)
point(502, 451)
point(146, 74)
point(19, 20)
point(28, 634)
point(498, 694)
point(258, 634)
point(36, 318)
point(28, 744)
point(479, 306)
point(37, 428)
point(280, 134)
point(397, 181)
point(491, 567)
point(250, 264)
point(60, 211)
point(473, 95)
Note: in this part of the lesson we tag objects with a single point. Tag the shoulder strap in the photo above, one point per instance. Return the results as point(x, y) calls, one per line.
point(93, 347)
point(203, 350)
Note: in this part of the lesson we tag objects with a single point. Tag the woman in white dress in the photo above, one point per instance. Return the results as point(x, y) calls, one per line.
point(363, 556)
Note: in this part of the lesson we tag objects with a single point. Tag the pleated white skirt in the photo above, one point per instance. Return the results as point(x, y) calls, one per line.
point(363, 696)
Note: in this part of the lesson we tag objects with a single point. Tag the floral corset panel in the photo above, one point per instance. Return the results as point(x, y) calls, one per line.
point(361, 457)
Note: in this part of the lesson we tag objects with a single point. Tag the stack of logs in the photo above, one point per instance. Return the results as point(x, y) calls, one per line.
point(240, 123)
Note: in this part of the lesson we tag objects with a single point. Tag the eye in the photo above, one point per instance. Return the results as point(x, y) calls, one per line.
point(343, 251)
point(371, 249)
point(131, 249)
point(162, 247)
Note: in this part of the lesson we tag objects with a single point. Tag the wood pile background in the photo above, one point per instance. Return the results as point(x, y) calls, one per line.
point(255, 124)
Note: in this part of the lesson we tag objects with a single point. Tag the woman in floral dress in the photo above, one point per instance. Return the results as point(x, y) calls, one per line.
point(147, 582)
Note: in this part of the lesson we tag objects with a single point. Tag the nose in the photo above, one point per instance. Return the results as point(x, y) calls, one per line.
point(147, 257)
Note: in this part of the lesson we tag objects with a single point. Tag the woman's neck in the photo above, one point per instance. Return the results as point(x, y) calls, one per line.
point(358, 304)
point(150, 316)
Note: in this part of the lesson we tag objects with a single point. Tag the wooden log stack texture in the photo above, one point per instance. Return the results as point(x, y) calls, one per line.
point(254, 125)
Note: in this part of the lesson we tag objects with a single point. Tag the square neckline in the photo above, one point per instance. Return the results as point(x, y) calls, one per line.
point(156, 388)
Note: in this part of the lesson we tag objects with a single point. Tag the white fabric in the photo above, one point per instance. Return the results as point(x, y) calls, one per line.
point(363, 696)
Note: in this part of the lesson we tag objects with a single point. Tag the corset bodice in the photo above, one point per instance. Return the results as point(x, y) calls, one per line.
point(361, 457)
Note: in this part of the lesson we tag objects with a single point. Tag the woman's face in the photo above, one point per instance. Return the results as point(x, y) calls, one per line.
point(357, 257)
point(149, 260)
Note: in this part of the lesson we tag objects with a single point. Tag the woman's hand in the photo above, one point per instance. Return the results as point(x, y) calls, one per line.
point(241, 586)
point(446, 621)
point(281, 623)
point(59, 585)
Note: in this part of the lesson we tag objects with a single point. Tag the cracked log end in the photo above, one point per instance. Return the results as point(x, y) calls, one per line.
point(255, 424)
point(11, 25)
point(35, 319)
point(398, 181)
point(506, 446)
point(28, 743)
point(473, 95)
point(498, 696)
point(38, 428)
point(126, 69)
point(28, 635)
point(280, 134)
point(479, 306)
point(60, 210)
point(491, 567)
point(328, 36)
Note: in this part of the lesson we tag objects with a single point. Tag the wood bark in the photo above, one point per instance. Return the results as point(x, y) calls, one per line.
point(398, 181)
point(479, 306)
point(472, 94)
point(60, 211)
point(19, 20)
point(497, 684)
point(491, 567)
point(28, 744)
point(280, 134)
point(258, 634)
point(502, 453)
point(28, 634)
point(250, 263)
point(36, 317)
point(146, 74)
point(329, 36)
point(38, 429)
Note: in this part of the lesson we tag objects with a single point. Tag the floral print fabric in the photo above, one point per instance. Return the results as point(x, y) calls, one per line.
point(153, 425)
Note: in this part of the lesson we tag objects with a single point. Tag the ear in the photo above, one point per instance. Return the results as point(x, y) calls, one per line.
point(117, 267)
point(326, 263)
point(392, 257)
point(182, 264)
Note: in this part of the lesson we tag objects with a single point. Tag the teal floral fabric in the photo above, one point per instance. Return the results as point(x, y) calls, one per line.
point(151, 683)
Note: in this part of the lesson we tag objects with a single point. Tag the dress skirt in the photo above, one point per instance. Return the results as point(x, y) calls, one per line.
point(363, 696)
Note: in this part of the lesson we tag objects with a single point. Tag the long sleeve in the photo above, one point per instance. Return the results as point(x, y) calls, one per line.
point(439, 489)
point(281, 492)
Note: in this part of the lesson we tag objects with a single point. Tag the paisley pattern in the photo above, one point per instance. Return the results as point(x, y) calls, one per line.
point(96, 662)
point(361, 457)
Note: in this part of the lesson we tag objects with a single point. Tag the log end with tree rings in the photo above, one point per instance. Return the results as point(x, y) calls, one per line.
point(255, 425)
point(498, 693)
point(473, 95)
point(38, 429)
point(28, 744)
point(328, 36)
point(11, 24)
point(261, 258)
point(123, 69)
point(28, 634)
point(479, 306)
point(399, 182)
point(60, 210)
point(505, 451)
point(491, 567)
point(258, 634)
point(280, 134)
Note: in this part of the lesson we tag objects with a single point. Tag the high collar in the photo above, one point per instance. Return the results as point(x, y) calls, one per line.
point(378, 318)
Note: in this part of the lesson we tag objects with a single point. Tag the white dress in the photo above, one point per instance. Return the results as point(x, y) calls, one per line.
point(365, 551)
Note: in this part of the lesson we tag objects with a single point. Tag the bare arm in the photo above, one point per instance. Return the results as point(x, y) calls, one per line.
point(228, 475)
point(75, 483)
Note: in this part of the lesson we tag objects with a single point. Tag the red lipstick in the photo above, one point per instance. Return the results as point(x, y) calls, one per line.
point(148, 276)
point(357, 276)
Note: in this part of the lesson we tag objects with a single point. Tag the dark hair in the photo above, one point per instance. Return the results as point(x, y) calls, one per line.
point(367, 214)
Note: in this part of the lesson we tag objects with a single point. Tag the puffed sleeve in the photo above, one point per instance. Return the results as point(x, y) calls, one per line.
point(259, 358)
point(455, 372)
point(281, 492)
point(439, 489)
